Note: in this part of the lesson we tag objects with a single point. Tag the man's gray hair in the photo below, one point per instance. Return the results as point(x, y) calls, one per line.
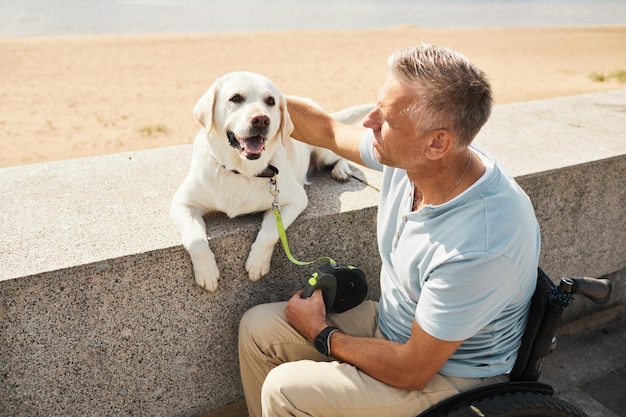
point(451, 92)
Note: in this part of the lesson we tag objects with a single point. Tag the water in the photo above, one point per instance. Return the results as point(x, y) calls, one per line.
point(75, 17)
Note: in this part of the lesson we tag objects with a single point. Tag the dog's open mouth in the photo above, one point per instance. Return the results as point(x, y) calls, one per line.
point(250, 147)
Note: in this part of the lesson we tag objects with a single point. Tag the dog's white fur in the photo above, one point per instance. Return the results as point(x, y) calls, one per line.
point(224, 178)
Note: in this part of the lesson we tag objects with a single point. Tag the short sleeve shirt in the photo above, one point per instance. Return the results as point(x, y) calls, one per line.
point(463, 270)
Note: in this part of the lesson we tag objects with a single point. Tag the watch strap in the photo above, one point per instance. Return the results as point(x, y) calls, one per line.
point(324, 339)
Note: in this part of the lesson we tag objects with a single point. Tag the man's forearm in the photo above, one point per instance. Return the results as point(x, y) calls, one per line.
point(381, 359)
point(311, 125)
point(317, 128)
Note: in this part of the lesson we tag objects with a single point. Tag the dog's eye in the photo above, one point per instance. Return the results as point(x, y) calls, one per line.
point(270, 101)
point(236, 98)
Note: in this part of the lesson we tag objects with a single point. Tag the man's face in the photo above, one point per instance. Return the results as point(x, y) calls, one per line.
point(396, 142)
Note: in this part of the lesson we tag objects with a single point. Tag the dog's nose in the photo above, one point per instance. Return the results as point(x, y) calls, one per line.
point(260, 120)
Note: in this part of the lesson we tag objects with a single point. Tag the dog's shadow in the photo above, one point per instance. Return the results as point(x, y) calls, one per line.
point(328, 196)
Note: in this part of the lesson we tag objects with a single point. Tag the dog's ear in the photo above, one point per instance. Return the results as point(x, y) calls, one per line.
point(203, 110)
point(286, 125)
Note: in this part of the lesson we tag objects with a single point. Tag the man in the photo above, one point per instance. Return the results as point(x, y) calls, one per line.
point(459, 245)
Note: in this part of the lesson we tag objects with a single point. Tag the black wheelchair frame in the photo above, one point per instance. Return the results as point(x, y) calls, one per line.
point(524, 395)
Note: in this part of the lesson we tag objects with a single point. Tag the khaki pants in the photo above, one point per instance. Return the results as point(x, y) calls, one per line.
point(284, 375)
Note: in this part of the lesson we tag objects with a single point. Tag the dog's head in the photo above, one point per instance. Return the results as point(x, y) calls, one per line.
point(247, 111)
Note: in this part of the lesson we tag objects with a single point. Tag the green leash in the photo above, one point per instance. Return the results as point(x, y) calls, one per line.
point(273, 188)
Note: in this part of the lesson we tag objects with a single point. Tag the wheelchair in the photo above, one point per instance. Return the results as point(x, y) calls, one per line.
point(524, 396)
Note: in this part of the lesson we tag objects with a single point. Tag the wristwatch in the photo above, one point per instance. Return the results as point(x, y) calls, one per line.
point(322, 341)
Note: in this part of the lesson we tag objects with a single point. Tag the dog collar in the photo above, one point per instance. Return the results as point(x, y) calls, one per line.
point(268, 172)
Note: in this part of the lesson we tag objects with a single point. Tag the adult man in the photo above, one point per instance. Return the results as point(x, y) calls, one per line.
point(459, 245)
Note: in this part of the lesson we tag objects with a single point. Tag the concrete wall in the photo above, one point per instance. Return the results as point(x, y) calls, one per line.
point(99, 315)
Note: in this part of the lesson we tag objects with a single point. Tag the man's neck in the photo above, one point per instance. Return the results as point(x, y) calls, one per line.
point(446, 179)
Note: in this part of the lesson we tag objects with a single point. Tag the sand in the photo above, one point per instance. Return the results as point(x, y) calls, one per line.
point(72, 97)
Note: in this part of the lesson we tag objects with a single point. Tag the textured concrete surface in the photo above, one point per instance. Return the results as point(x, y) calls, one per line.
point(540, 136)
point(122, 329)
point(98, 312)
point(70, 213)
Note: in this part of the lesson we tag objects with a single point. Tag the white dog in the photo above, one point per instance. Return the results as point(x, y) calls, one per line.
point(243, 142)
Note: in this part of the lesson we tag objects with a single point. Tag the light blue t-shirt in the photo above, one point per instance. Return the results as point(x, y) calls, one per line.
point(464, 270)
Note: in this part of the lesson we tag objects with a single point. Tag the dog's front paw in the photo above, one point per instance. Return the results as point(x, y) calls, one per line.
point(207, 276)
point(257, 269)
point(258, 262)
point(205, 270)
point(341, 171)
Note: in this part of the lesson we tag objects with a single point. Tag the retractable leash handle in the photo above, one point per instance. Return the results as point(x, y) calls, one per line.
point(325, 282)
point(343, 287)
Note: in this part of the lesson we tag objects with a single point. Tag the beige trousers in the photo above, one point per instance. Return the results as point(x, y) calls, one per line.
point(284, 375)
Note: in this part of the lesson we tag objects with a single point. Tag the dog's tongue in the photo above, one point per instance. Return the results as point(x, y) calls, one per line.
point(252, 145)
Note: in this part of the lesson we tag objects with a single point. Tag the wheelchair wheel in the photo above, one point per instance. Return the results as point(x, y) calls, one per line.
point(520, 405)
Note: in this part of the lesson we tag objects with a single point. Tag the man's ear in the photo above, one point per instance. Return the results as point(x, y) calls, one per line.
point(439, 144)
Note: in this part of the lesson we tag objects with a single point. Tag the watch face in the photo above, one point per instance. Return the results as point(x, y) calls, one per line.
point(320, 346)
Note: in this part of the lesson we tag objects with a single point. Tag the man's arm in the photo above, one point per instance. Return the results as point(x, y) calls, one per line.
point(407, 366)
point(317, 128)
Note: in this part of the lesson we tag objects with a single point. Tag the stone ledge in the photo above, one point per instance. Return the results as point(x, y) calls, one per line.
point(99, 314)
point(69, 213)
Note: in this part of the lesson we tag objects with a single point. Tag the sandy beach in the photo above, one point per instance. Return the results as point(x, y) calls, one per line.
point(71, 97)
